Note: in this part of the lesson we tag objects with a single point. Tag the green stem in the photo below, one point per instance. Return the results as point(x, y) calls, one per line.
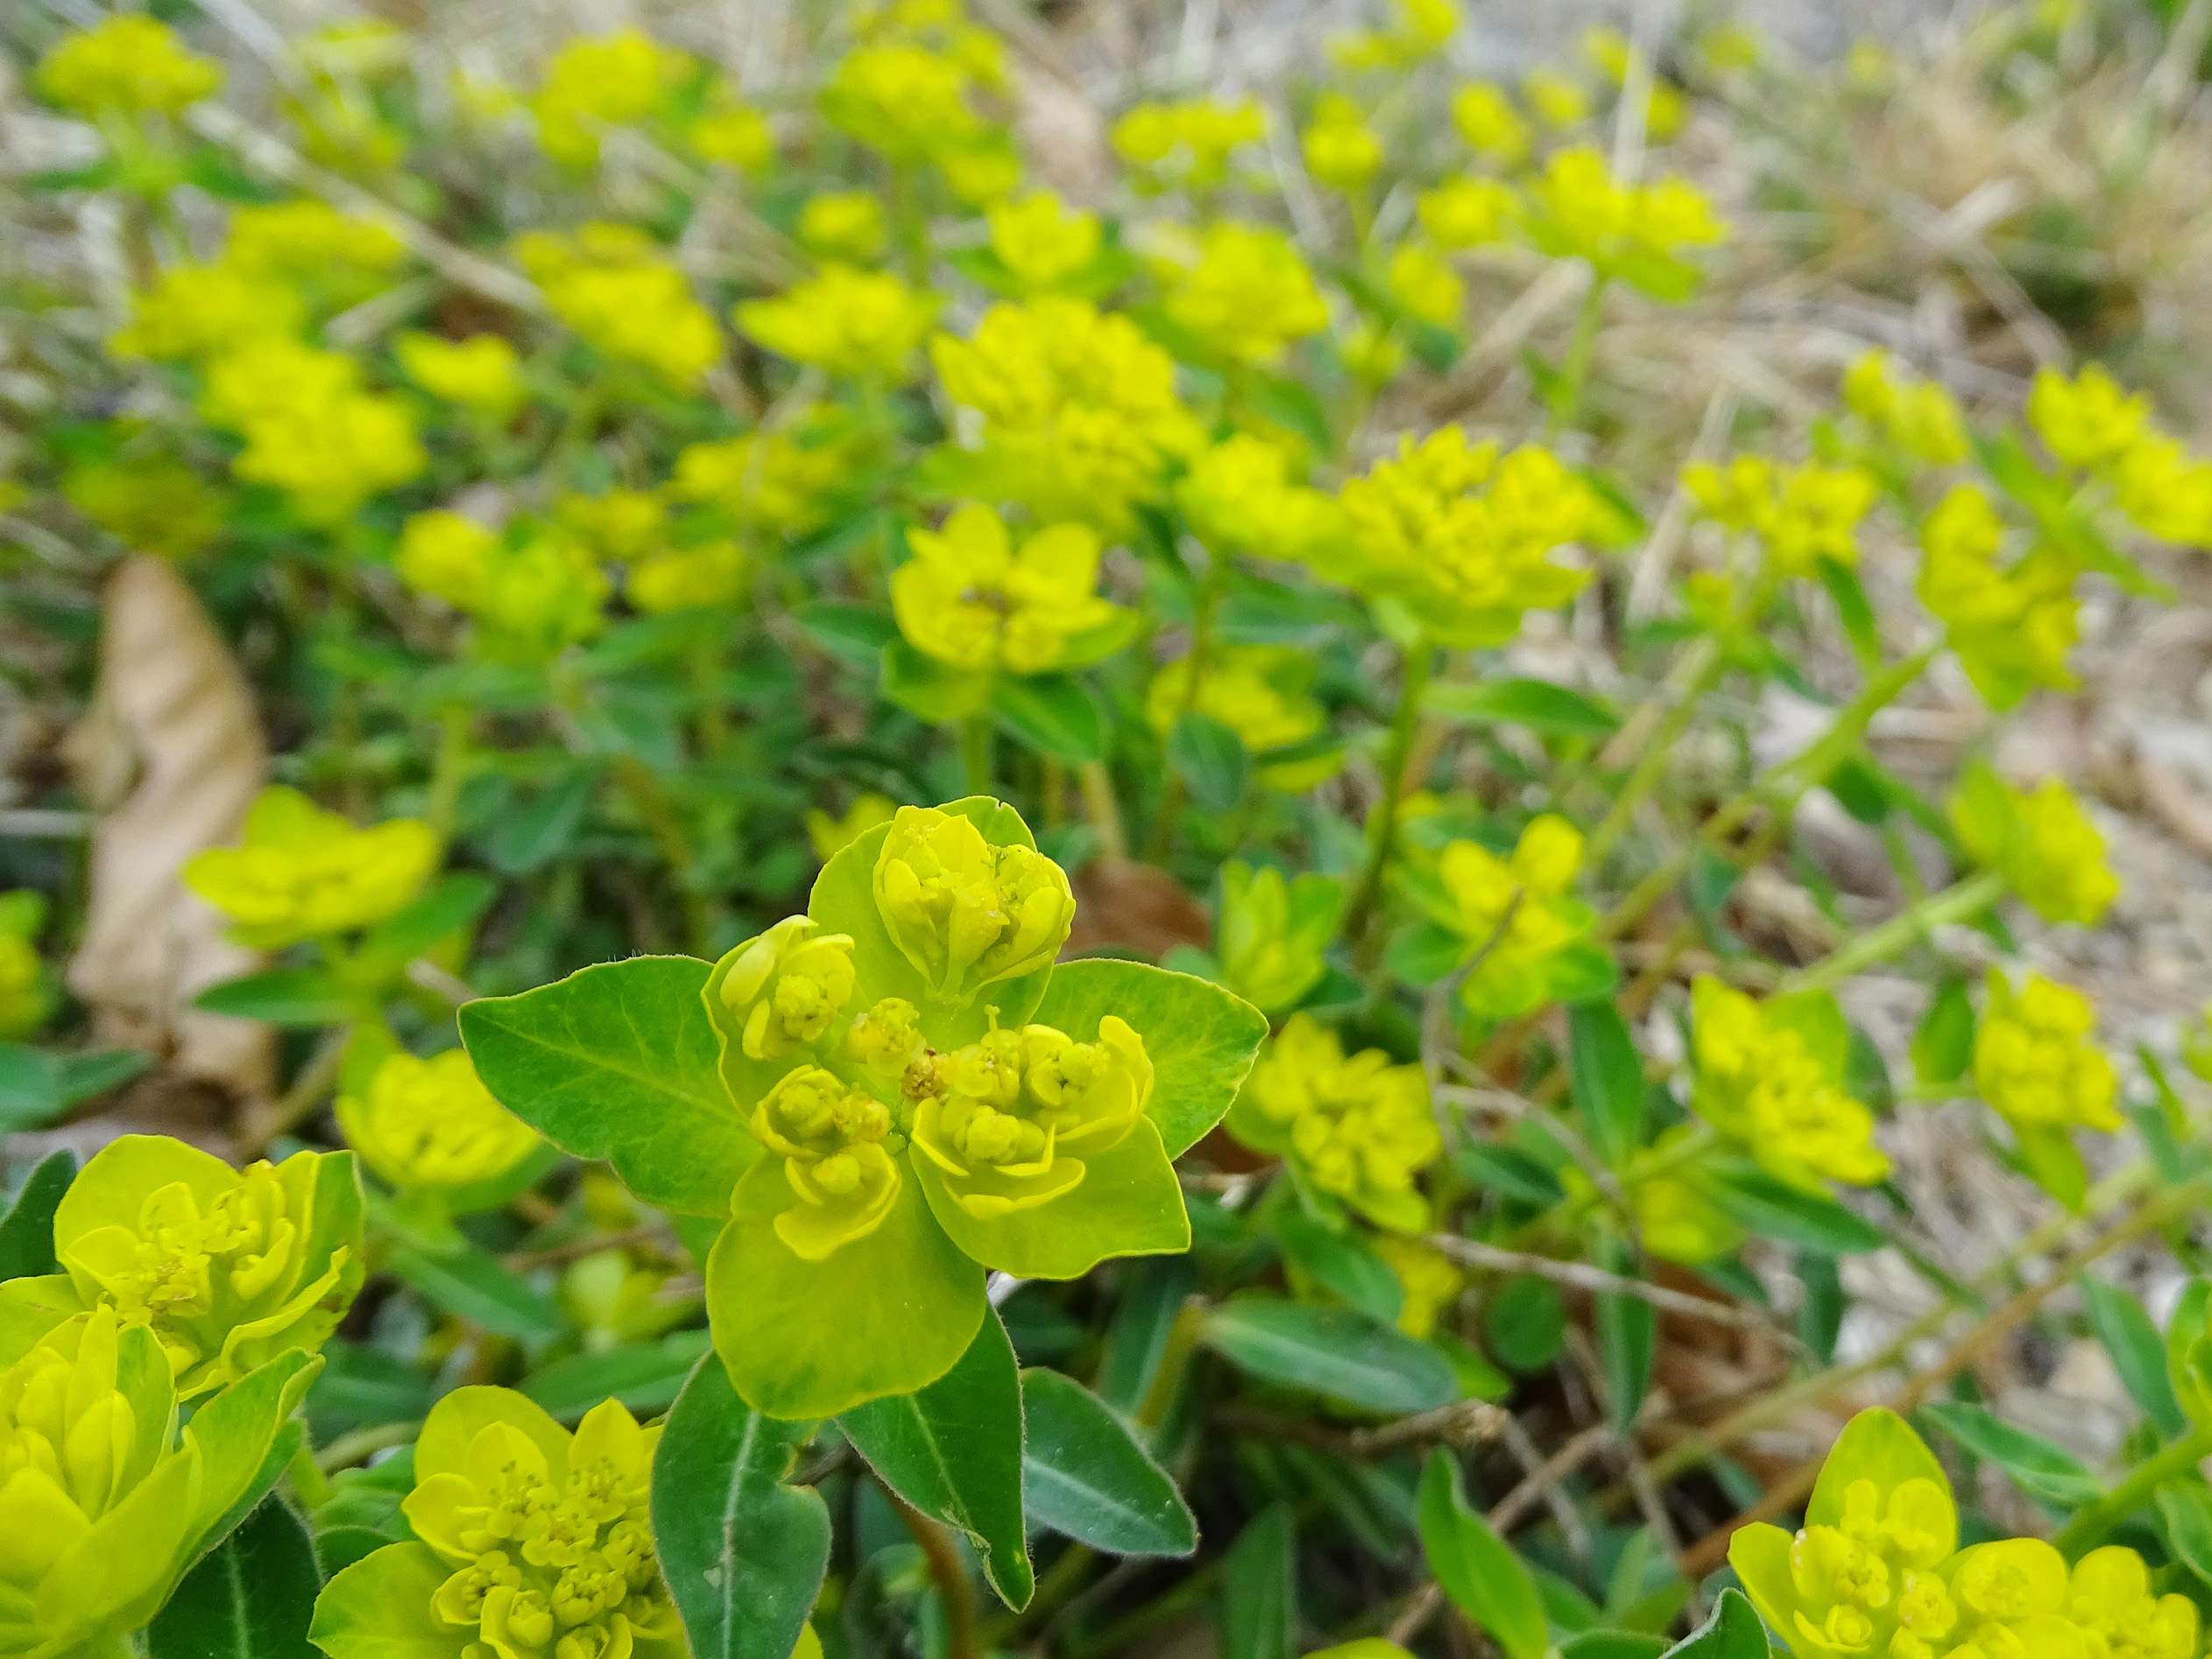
point(1702, 671)
point(950, 1574)
point(1567, 391)
point(1104, 811)
point(1958, 902)
point(2094, 1520)
point(975, 751)
point(1382, 817)
point(307, 1478)
point(449, 771)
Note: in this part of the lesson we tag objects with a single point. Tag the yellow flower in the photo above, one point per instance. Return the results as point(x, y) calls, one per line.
point(969, 598)
point(1039, 241)
point(1579, 210)
point(528, 1541)
point(1489, 124)
point(1430, 1280)
point(594, 80)
point(1528, 896)
point(2010, 626)
point(1274, 934)
point(127, 64)
point(158, 504)
point(620, 523)
point(829, 836)
point(310, 430)
point(26, 993)
point(1426, 286)
point(732, 132)
point(769, 480)
point(2035, 1060)
point(906, 100)
point(1008, 1120)
point(1802, 513)
point(2087, 420)
point(1186, 145)
point(447, 556)
point(431, 1124)
point(1262, 692)
point(1372, 357)
point(1079, 406)
point(1239, 496)
point(706, 573)
point(1770, 1078)
point(197, 310)
point(1557, 102)
point(844, 224)
point(2164, 490)
point(1919, 416)
point(1339, 150)
point(227, 1269)
point(784, 988)
point(305, 873)
point(1358, 1130)
point(1463, 213)
point(625, 298)
point(479, 372)
point(1418, 32)
point(964, 913)
point(1467, 564)
point(2108, 1600)
point(856, 323)
point(2043, 843)
point(308, 243)
point(1245, 291)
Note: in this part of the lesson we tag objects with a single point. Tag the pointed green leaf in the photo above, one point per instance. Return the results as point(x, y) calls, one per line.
point(743, 1552)
point(1339, 1262)
point(953, 1450)
point(251, 1596)
point(1338, 1351)
point(1607, 1078)
point(471, 1283)
point(1733, 1631)
point(290, 997)
point(1541, 707)
point(2186, 1507)
point(619, 1062)
point(644, 1376)
point(2137, 1352)
point(1087, 1477)
point(1628, 1332)
point(1943, 1047)
point(1051, 713)
point(1260, 1590)
point(1475, 1567)
point(26, 1231)
point(1758, 1203)
point(2036, 1466)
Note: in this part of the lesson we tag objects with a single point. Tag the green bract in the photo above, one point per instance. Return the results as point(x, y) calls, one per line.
point(934, 1099)
point(228, 1270)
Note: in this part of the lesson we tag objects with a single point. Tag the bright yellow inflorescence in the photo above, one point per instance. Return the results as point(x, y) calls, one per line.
point(1340, 152)
point(851, 323)
point(964, 913)
point(625, 298)
point(432, 1123)
point(481, 372)
point(786, 987)
point(1431, 1280)
point(127, 64)
point(1357, 1129)
point(1262, 692)
point(2011, 625)
point(1920, 417)
point(615, 80)
point(1239, 497)
point(1242, 291)
point(2036, 1061)
point(1801, 514)
point(1041, 241)
point(1763, 1085)
point(1512, 914)
point(305, 873)
point(972, 598)
point(2042, 843)
point(1186, 146)
point(531, 599)
point(831, 1137)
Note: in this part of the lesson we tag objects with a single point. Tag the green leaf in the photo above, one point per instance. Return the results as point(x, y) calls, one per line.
point(1537, 704)
point(1943, 1047)
point(644, 1376)
point(251, 1596)
point(1627, 1331)
point(1759, 1203)
point(82, 1075)
point(1211, 760)
point(246, 1437)
point(1053, 714)
point(1337, 1352)
point(2035, 1465)
point(2137, 1351)
point(290, 997)
point(1475, 1567)
point(1853, 610)
point(1339, 1262)
point(26, 1231)
point(1733, 1631)
point(856, 634)
point(1085, 1476)
point(2187, 1509)
point(1607, 1078)
point(743, 1552)
point(619, 1062)
point(953, 1450)
point(1259, 1590)
point(1509, 1172)
point(453, 903)
point(379, 1608)
point(1201, 1038)
point(1613, 1644)
point(542, 826)
point(30, 1087)
point(905, 1305)
point(470, 1284)
point(1153, 1294)
point(1524, 1322)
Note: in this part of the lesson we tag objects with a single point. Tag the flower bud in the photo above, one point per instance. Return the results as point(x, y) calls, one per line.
point(885, 1038)
point(964, 913)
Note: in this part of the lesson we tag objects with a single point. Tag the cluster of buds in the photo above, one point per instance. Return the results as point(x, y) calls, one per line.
point(964, 913)
point(1771, 1080)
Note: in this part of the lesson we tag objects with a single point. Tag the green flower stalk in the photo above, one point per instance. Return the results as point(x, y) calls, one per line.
point(227, 1270)
point(532, 1544)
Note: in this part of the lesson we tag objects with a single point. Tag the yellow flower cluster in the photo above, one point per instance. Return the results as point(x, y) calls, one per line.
point(127, 64)
point(781, 480)
point(1770, 1078)
point(1358, 1130)
point(1558, 101)
point(971, 598)
point(700, 573)
point(480, 372)
point(195, 311)
point(1515, 914)
point(1340, 152)
point(1920, 417)
point(1242, 291)
point(1039, 241)
point(1428, 288)
point(2035, 1060)
point(593, 81)
point(1467, 212)
point(849, 226)
point(965, 912)
point(1489, 124)
point(908, 90)
point(1262, 692)
point(860, 324)
point(26, 994)
point(1463, 539)
point(1274, 934)
point(1577, 208)
point(338, 259)
point(1801, 514)
point(432, 1125)
point(2011, 625)
point(1238, 498)
point(1876, 1569)
point(1429, 1280)
point(1418, 30)
point(2088, 422)
point(155, 504)
point(310, 430)
point(1078, 407)
point(531, 599)
point(2048, 849)
point(625, 298)
point(1185, 146)
point(1665, 108)
point(305, 873)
